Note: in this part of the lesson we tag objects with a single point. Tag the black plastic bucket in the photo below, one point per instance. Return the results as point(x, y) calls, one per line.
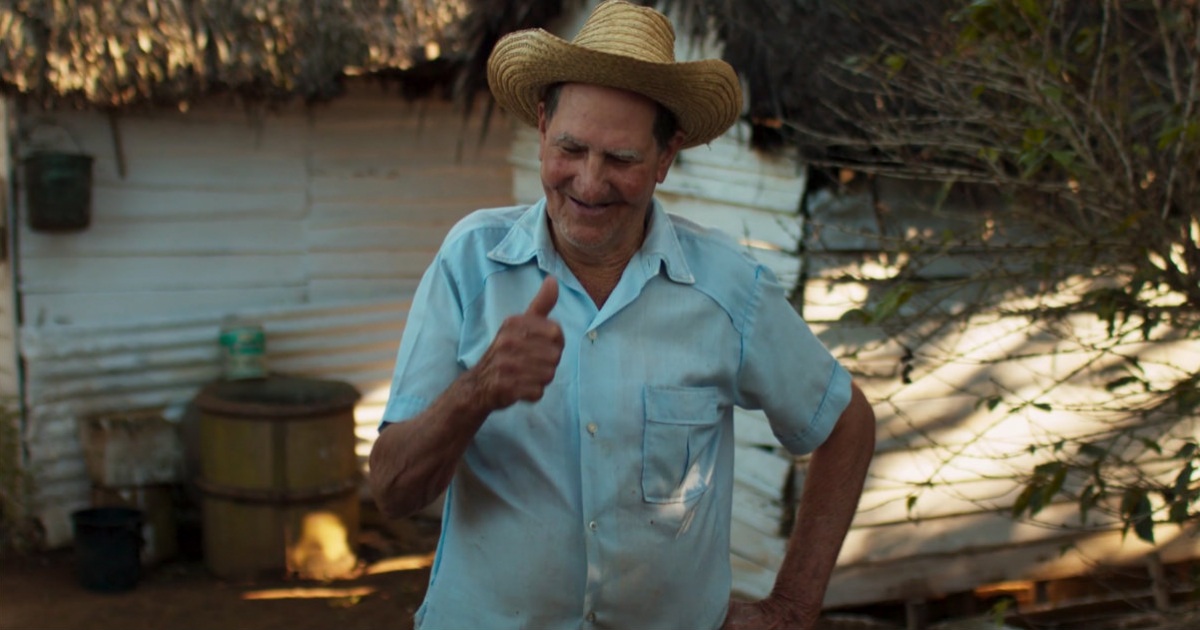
point(108, 547)
point(60, 191)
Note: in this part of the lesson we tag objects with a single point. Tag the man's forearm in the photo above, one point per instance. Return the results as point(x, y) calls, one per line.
point(412, 462)
point(834, 480)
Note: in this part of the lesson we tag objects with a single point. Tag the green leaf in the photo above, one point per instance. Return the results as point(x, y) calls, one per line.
point(891, 302)
point(1056, 484)
point(1143, 524)
point(1130, 499)
point(1023, 499)
point(895, 62)
point(1092, 450)
point(1031, 9)
point(1034, 136)
point(1121, 382)
point(1178, 512)
point(991, 402)
point(1052, 92)
point(1048, 469)
point(1169, 135)
point(1187, 400)
point(1186, 452)
point(1087, 500)
point(1183, 480)
point(1064, 158)
point(1150, 444)
point(857, 316)
point(977, 91)
point(912, 501)
point(1042, 406)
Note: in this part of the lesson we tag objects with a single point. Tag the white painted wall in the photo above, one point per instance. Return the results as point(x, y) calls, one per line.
point(317, 222)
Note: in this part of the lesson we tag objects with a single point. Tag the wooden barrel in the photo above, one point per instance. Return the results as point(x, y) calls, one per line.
point(278, 477)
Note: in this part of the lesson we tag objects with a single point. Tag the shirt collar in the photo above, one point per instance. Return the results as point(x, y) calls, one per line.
point(529, 237)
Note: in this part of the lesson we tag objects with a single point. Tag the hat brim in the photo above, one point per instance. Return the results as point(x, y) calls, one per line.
point(704, 95)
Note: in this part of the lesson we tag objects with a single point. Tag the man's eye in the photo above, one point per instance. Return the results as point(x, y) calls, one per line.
point(573, 150)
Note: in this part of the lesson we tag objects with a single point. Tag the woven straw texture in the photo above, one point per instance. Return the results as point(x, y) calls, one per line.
point(621, 46)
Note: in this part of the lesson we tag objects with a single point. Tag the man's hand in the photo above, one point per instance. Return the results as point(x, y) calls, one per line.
point(767, 614)
point(523, 357)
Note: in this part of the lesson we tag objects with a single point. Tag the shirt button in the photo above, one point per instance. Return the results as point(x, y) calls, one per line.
point(591, 428)
point(592, 335)
point(591, 617)
point(592, 526)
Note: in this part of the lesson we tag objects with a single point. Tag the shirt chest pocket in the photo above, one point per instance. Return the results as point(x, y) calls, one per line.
point(679, 449)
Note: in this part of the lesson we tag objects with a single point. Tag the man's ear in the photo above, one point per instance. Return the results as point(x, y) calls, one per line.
point(667, 157)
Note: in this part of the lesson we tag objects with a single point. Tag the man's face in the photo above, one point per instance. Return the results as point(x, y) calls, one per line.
point(600, 165)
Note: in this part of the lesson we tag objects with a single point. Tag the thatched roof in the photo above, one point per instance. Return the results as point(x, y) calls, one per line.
point(123, 53)
point(120, 53)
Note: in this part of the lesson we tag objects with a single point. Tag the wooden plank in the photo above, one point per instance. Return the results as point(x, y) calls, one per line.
point(764, 471)
point(109, 384)
point(761, 513)
point(751, 581)
point(957, 534)
point(365, 212)
point(526, 185)
point(321, 289)
point(790, 184)
point(1051, 558)
point(751, 544)
point(120, 306)
point(130, 239)
point(361, 265)
point(393, 236)
point(444, 185)
point(751, 428)
point(222, 171)
point(124, 202)
point(51, 275)
point(67, 342)
point(770, 228)
point(215, 132)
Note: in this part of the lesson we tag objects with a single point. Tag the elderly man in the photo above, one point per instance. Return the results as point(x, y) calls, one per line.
point(569, 369)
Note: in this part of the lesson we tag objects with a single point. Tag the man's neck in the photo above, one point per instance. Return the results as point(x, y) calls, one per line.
point(598, 271)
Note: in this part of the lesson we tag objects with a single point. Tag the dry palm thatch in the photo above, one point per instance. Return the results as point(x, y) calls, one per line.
point(120, 53)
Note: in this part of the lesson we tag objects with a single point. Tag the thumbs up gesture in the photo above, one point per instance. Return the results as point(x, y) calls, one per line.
point(523, 357)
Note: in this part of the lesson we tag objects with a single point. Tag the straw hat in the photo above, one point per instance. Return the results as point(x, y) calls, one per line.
point(623, 46)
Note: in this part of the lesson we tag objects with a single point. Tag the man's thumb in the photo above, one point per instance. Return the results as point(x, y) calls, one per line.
point(546, 298)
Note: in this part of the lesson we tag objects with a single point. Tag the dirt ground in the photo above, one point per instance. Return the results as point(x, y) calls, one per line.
point(42, 590)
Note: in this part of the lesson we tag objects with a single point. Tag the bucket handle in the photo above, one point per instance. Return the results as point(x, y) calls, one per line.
point(26, 133)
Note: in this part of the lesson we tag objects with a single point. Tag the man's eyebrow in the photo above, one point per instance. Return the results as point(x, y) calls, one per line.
point(631, 155)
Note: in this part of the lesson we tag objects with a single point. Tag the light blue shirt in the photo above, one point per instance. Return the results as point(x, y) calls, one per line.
point(607, 503)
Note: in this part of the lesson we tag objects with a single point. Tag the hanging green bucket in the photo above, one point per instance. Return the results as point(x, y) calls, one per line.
point(59, 191)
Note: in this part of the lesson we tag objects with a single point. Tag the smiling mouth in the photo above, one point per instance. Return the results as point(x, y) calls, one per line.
point(590, 207)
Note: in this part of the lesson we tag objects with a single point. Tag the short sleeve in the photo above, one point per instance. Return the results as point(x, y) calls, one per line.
point(427, 362)
point(787, 372)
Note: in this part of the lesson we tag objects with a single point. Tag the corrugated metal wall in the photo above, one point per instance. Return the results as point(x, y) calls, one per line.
point(317, 222)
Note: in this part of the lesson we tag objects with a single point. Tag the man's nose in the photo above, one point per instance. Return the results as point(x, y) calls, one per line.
point(589, 183)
